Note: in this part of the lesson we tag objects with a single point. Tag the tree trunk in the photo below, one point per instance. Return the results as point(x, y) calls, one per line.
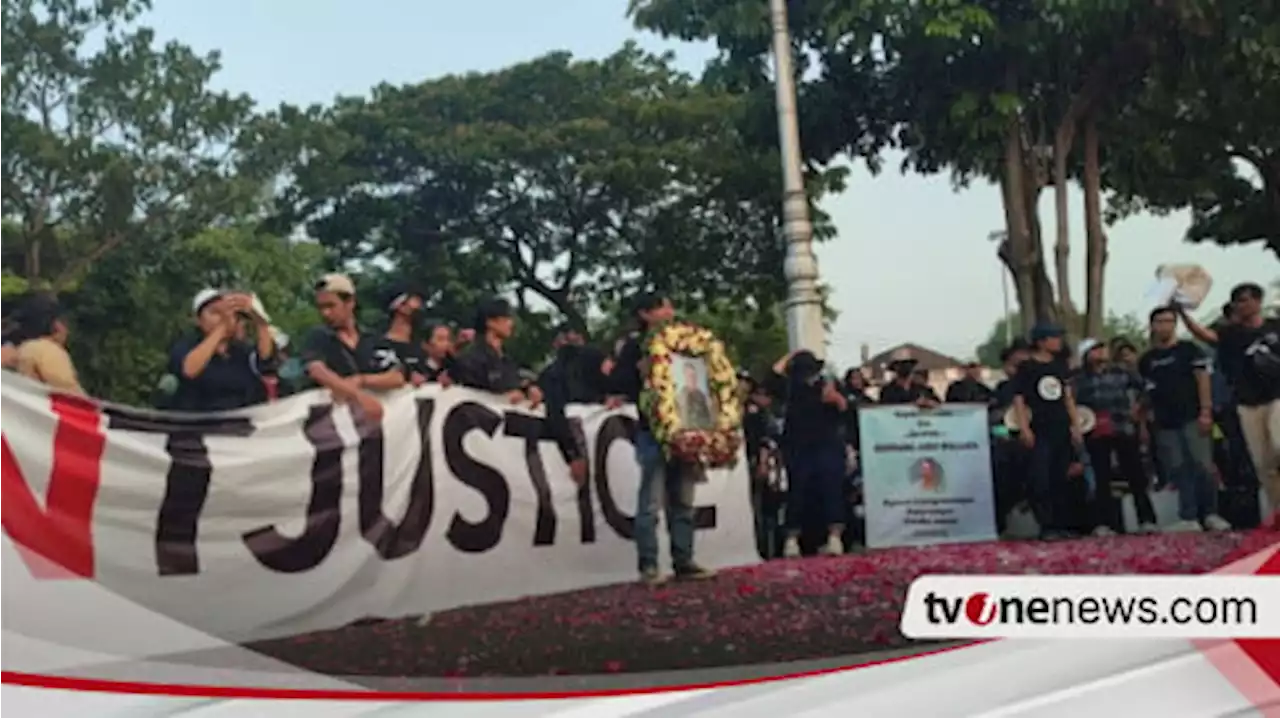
point(1063, 140)
point(1018, 255)
point(31, 261)
point(1045, 303)
point(1095, 233)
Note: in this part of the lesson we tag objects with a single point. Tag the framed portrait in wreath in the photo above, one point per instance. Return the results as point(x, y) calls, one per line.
point(691, 395)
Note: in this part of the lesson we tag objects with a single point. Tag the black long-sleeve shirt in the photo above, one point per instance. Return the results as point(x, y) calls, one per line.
point(572, 378)
point(480, 366)
point(626, 380)
point(809, 420)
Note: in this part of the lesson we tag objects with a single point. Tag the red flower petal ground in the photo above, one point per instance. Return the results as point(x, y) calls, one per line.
point(774, 612)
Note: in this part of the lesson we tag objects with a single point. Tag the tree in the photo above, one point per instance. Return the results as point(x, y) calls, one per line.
point(1128, 326)
point(1206, 129)
point(107, 138)
point(984, 89)
point(561, 183)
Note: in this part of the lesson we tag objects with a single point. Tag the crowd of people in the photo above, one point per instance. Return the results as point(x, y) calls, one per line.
point(1207, 424)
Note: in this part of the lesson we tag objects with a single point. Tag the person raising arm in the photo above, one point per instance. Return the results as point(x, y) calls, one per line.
point(213, 370)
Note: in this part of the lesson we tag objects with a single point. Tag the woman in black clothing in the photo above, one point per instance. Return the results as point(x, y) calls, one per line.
point(814, 450)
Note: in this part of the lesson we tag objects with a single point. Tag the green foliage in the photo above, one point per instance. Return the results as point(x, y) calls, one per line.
point(108, 138)
point(557, 182)
point(1205, 130)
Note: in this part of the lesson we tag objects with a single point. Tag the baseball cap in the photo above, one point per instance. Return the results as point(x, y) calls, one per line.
point(337, 283)
point(1086, 346)
point(1044, 331)
point(258, 309)
point(204, 297)
point(400, 294)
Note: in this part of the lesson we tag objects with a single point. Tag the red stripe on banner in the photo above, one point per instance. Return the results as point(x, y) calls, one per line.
point(96, 685)
point(58, 538)
point(1266, 651)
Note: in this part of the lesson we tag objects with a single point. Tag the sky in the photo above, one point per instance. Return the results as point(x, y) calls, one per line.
point(911, 262)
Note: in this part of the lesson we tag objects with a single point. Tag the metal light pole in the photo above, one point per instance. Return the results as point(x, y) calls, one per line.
point(805, 329)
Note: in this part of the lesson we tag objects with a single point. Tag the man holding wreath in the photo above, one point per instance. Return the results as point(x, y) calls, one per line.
point(673, 479)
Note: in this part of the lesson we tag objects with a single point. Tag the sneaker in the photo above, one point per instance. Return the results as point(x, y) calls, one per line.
point(791, 549)
point(834, 547)
point(651, 576)
point(693, 571)
point(1103, 532)
point(1214, 522)
point(1183, 527)
point(1148, 528)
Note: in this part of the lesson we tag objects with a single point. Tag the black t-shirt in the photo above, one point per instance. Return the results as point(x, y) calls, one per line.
point(757, 426)
point(432, 369)
point(1002, 398)
point(1169, 373)
point(809, 422)
point(229, 381)
point(1250, 357)
point(896, 393)
point(1043, 386)
point(970, 391)
point(372, 354)
point(411, 357)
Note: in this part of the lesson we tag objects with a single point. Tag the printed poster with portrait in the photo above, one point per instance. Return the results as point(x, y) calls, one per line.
point(927, 475)
point(691, 396)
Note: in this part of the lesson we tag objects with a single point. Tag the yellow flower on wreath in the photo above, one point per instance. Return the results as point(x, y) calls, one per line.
point(659, 400)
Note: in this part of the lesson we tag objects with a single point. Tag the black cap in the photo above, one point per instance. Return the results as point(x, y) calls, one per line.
point(492, 308)
point(399, 294)
point(1046, 330)
point(805, 363)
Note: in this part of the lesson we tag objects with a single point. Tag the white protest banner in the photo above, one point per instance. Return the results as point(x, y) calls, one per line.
point(927, 475)
point(295, 516)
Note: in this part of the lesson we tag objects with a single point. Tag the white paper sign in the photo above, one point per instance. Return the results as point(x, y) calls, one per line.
point(927, 475)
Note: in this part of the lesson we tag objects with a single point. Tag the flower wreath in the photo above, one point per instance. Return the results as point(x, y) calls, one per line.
point(710, 448)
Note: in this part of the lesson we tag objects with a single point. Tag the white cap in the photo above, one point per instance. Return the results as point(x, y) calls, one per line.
point(1086, 346)
point(203, 297)
point(257, 307)
point(336, 283)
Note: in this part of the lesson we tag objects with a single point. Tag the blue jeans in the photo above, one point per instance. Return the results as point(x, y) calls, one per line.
point(661, 479)
point(1186, 455)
